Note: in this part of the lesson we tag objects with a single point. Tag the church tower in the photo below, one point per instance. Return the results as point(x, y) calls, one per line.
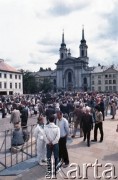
point(63, 49)
point(83, 47)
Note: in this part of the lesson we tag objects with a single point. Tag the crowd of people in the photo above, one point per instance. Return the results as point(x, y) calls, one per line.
point(55, 112)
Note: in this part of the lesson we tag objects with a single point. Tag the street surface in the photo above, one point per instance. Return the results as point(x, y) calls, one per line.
point(79, 153)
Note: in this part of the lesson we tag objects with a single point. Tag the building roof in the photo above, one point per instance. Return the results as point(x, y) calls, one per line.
point(5, 67)
point(100, 69)
point(45, 73)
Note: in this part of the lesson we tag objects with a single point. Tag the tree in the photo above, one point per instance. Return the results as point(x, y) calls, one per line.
point(41, 69)
point(49, 69)
point(45, 86)
point(29, 83)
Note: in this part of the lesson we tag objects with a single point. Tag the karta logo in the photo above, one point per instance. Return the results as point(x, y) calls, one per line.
point(74, 171)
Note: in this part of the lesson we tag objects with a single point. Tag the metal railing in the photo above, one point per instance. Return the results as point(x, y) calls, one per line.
point(12, 155)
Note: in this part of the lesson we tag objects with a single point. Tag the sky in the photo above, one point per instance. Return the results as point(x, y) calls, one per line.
point(31, 31)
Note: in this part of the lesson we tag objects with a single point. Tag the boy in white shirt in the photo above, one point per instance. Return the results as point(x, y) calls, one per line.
point(51, 137)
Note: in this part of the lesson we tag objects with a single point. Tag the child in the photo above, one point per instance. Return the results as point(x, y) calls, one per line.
point(41, 145)
point(18, 135)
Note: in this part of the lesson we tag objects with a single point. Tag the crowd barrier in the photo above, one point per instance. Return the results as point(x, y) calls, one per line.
point(10, 155)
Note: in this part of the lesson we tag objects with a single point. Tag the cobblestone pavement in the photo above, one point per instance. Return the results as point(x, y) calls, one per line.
point(79, 153)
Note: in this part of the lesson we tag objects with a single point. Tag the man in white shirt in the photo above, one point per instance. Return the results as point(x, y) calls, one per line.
point(51, 137)
point(63, 124)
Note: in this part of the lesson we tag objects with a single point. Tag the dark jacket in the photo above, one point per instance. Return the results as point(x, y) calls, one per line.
point(24, 115)
point(87, 122)
point(101, 106)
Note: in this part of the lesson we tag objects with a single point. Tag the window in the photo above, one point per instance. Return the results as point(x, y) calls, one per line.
point(110, 75)
point(110, 81)
point(85, 80)
point(106, 88)
point(114, 81)
point(92, 88)
point(5, 75)
point(5, 85)
point(54, 82)
point(114, 88)
point(92, 77)
point(10, 85)
point(69, 77)
point(16, 85)
point(19, 76)
point(99, 81)
point(106, 81)
point(0, 84)
point(62, 55)
point(0, 75)
point(15, 76)
point(99, 88)
point(99, 76)
point(106, 76)
point(19, 85)
point(92, 82)
point(10, 76)
point(110, 88)
point(82, 52)
point(114, 75)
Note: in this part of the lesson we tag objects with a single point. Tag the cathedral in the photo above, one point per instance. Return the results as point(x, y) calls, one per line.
point(73, 73)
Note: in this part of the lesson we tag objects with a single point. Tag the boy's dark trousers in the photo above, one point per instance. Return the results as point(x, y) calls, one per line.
point(52, 149)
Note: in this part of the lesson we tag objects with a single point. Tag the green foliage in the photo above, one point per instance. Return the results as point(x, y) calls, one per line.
point(45, 86)
point(30, 86)
point(29, 83)
point(42, 69)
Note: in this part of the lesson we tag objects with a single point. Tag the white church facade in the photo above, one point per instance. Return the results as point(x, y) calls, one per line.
point(75, 74)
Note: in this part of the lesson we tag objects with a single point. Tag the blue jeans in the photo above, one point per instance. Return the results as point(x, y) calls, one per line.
point(54, 149)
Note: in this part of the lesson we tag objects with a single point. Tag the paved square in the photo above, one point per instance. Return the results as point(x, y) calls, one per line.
point(79, 153)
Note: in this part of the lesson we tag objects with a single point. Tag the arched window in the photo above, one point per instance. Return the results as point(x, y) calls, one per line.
point(69, 77)
point(54, 82)
point(86, 52)
point(85, 80)
point(82, 53)
point(62, 55)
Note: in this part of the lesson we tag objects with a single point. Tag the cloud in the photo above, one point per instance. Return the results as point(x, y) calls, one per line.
point(48, 42)
point(111, 26)
point(53, 51)
point(31, 42)
point(42, 59)
point(62, 8)
point(112, 31)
